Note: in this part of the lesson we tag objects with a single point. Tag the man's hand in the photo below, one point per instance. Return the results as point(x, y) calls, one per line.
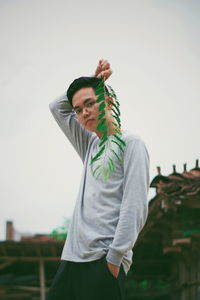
point(113, 269)
point(103, 70)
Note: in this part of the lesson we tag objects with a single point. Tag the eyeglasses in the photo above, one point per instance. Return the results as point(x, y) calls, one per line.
point(79, 110)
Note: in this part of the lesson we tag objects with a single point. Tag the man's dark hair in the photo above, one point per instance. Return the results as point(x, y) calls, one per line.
point(81, 82)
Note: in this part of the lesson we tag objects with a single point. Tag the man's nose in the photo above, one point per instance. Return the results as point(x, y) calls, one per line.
point(85, 111)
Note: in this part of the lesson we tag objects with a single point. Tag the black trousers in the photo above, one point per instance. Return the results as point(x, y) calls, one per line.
point(87, 281)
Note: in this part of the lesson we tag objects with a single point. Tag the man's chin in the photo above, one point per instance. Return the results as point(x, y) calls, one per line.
point(90, 128)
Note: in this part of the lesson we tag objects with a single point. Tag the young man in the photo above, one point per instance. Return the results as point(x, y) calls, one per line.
point(108, 214)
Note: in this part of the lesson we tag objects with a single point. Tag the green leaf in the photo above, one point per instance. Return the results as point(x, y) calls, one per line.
point(96, 169)
point(117, 129)
point(101, 115)
point(100, 98)
point(111, 164)
point(113, 92)
point(100, 88)
point(102, 106)
point(117, 103)
point(120, 140)
point(119, 159)
point(118, 120)
point(111, 161)
point(101, 124)
point(105, 135)
point(106, 176)
point(115, 123)
point(102, 127)
point(114, 113)
point(98, 154)
point(102, 121)
point(106, 163)
point(99, 91)
point(118, 145)
point(102, 141)
point(116, 107)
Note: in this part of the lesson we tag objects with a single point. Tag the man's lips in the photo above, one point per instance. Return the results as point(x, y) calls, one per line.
point(88, 121)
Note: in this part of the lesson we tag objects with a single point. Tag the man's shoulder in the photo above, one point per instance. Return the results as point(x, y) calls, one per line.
point(131, 138)
point(135, 144)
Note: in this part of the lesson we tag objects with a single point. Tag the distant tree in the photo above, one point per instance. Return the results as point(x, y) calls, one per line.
point(60, 233)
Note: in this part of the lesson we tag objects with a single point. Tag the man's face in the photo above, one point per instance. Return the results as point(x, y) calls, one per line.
point(86, 108)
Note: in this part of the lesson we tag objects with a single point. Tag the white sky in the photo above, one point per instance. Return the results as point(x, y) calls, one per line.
point(153, 48)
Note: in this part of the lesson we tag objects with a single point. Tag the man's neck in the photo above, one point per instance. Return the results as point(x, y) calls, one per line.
point(111, 130)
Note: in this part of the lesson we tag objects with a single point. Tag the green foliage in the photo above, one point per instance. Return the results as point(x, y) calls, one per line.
point(106, 155)
point(143, 284)
point(190, 232)
point(60, 233)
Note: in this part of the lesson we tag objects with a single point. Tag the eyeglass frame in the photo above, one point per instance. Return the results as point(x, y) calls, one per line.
point(86, 102)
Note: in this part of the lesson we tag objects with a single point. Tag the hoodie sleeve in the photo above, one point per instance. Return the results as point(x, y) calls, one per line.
point(66, 119)
point(134, 205)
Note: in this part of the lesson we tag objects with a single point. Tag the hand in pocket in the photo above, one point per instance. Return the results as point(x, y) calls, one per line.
point(113, 269)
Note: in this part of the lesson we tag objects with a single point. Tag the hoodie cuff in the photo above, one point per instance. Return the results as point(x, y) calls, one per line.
point(114, 257)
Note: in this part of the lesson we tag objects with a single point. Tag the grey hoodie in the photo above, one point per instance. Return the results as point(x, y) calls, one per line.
point(108, 214)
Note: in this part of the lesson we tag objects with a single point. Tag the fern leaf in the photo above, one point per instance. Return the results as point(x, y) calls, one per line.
point(115, 124)
point(106, 163)
point(115, 111)
point(111, 164)
point(106, 173)
point(118, 145)
point(101, 126)
point(117, 103)
point(96, 169)
point(118, 121)
point(98, 154)
point(102, 141)
point(115, 107)
point(101, 115)
point(113, 92)
point(100, 98)
point(120, 140)
point(100, 89)
point(117, 128)
point(102, 106)
point(119, 159)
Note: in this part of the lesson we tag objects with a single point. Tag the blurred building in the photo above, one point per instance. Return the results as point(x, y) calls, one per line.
point(166, 256)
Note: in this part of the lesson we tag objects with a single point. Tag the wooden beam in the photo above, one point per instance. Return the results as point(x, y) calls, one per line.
point(171, 250)
point(31, 258)
point(181, 241)
point(6, 264)
point(42, 279)
point(16, 295)
point(27, 288)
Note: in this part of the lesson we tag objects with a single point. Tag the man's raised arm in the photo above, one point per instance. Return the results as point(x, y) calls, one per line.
point(66, 119)
point(63, 113)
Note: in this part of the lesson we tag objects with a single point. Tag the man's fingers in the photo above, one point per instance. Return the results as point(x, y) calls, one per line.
point(105, 65)
point(103, 69)
point(99, 67)
point(102, 74)
point(98, 70)
point(105, 74)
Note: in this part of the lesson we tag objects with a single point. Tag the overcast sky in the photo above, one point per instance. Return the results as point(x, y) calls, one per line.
point(154, 50)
